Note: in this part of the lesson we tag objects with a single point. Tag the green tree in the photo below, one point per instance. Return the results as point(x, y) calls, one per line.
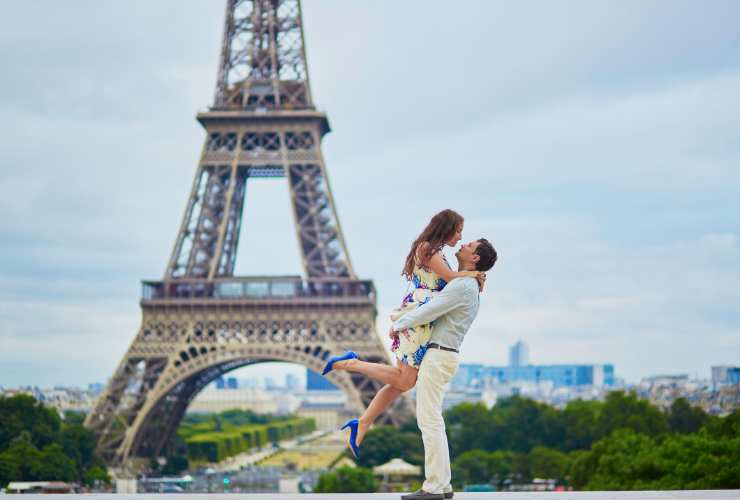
point(625, 410)
point(96, 475)
point(36, 444)
point(9, 469)
point(610, 460)
point(383, 443)
point(515, 423)
point(73, 417)
point(55, 465)
point(22, 458)
point(580, 419)
point(547, 463)
point(470, 426)
point(627, 460)
point(621, 443)
point(501, 464)
point(478, 466)
point(347, 480)
point(175, 464)
point(520, 467)
point(725, 427)
point(526, 423)
point(685, 418)
point(472, 467)
point(23, 413)
point(79, 445)
point(576, 466)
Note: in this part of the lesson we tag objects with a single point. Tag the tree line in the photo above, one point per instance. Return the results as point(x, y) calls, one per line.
point(620, 443)
point(207, 443)
point(623, 443)
point(36, 444)
point(211, 437)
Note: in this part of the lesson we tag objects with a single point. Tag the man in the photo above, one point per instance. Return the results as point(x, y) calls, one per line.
point(452, 311)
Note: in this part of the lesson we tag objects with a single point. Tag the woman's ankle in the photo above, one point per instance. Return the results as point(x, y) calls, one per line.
point(346, 365)
point(362, 427)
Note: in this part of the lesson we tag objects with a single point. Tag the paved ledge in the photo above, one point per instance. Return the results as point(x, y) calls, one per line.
point(590, 495)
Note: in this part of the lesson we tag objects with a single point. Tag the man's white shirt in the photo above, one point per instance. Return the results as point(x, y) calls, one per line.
point(452, 311)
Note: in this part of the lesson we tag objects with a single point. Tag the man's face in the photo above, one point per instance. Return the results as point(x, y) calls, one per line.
point(467, 252)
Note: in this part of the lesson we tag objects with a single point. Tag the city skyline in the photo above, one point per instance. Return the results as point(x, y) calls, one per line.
point(261, 375)
point(600, 166)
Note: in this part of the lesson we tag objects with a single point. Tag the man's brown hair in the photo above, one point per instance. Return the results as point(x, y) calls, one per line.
point(487, 255)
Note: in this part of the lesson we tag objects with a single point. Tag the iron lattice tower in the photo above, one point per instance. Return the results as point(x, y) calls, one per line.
point(201, 321)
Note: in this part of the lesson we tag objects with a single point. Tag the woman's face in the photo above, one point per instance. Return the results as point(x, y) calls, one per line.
point(457, 236)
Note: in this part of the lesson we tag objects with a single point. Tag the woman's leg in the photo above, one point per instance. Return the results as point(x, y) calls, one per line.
point(401, 377)
point(385, 396)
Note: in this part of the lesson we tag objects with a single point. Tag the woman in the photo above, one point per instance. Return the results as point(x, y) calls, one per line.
point(428, 271)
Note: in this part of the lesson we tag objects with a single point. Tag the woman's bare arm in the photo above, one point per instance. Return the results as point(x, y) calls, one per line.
point(439, 267)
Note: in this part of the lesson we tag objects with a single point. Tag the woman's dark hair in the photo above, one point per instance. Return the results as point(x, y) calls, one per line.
point(439, 231)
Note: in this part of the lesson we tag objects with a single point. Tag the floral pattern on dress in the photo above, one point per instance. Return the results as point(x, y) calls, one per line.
point(410, 345)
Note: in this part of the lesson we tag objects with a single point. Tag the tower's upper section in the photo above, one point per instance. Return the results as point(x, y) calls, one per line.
point(263, 61)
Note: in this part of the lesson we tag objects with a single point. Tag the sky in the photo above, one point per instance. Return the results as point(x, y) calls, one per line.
point(596, 144)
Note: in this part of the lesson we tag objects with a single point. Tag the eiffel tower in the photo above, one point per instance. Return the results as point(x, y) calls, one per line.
point(200, 321)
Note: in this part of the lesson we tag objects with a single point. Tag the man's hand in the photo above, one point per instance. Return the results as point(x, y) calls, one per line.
point(481, 278)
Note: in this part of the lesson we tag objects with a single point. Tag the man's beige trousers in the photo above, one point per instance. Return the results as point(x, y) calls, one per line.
point(437, 369)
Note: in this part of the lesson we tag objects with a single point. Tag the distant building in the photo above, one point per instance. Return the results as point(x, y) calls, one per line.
point(211, 400)
point(481, 376)
point(719, 396)
point(96, 387)
point(464, 377)
point(315, 382)
point(454, 398)
point(248, 383)
point(725, 375)
point(228, 383)
point(61, 398)
point(286, 402)
point(292, 383)
point(519, 354)
point(326, 415)
point(671, 380)
point(270, 383)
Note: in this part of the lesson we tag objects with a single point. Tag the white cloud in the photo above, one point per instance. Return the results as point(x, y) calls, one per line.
point(674, 305)
point(52, 342)
point(595, 145)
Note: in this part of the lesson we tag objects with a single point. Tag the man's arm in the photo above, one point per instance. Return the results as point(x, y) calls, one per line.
point(451, 297)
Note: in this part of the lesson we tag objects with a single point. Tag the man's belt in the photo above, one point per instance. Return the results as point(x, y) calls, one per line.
point(434, 345)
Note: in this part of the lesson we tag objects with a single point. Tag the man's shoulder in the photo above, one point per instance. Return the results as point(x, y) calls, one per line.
point(471, 287)
point(466, 285)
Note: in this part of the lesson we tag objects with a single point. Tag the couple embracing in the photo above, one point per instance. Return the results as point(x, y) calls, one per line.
point(428, 329)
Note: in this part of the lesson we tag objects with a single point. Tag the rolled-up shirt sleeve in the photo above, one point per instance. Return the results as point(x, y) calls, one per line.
point(451, 297)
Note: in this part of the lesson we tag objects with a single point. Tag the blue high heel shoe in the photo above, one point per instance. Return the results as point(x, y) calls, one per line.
point(352, 424)
point(330, 364)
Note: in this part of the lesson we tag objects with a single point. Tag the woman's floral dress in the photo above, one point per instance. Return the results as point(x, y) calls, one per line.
point(410, 345)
